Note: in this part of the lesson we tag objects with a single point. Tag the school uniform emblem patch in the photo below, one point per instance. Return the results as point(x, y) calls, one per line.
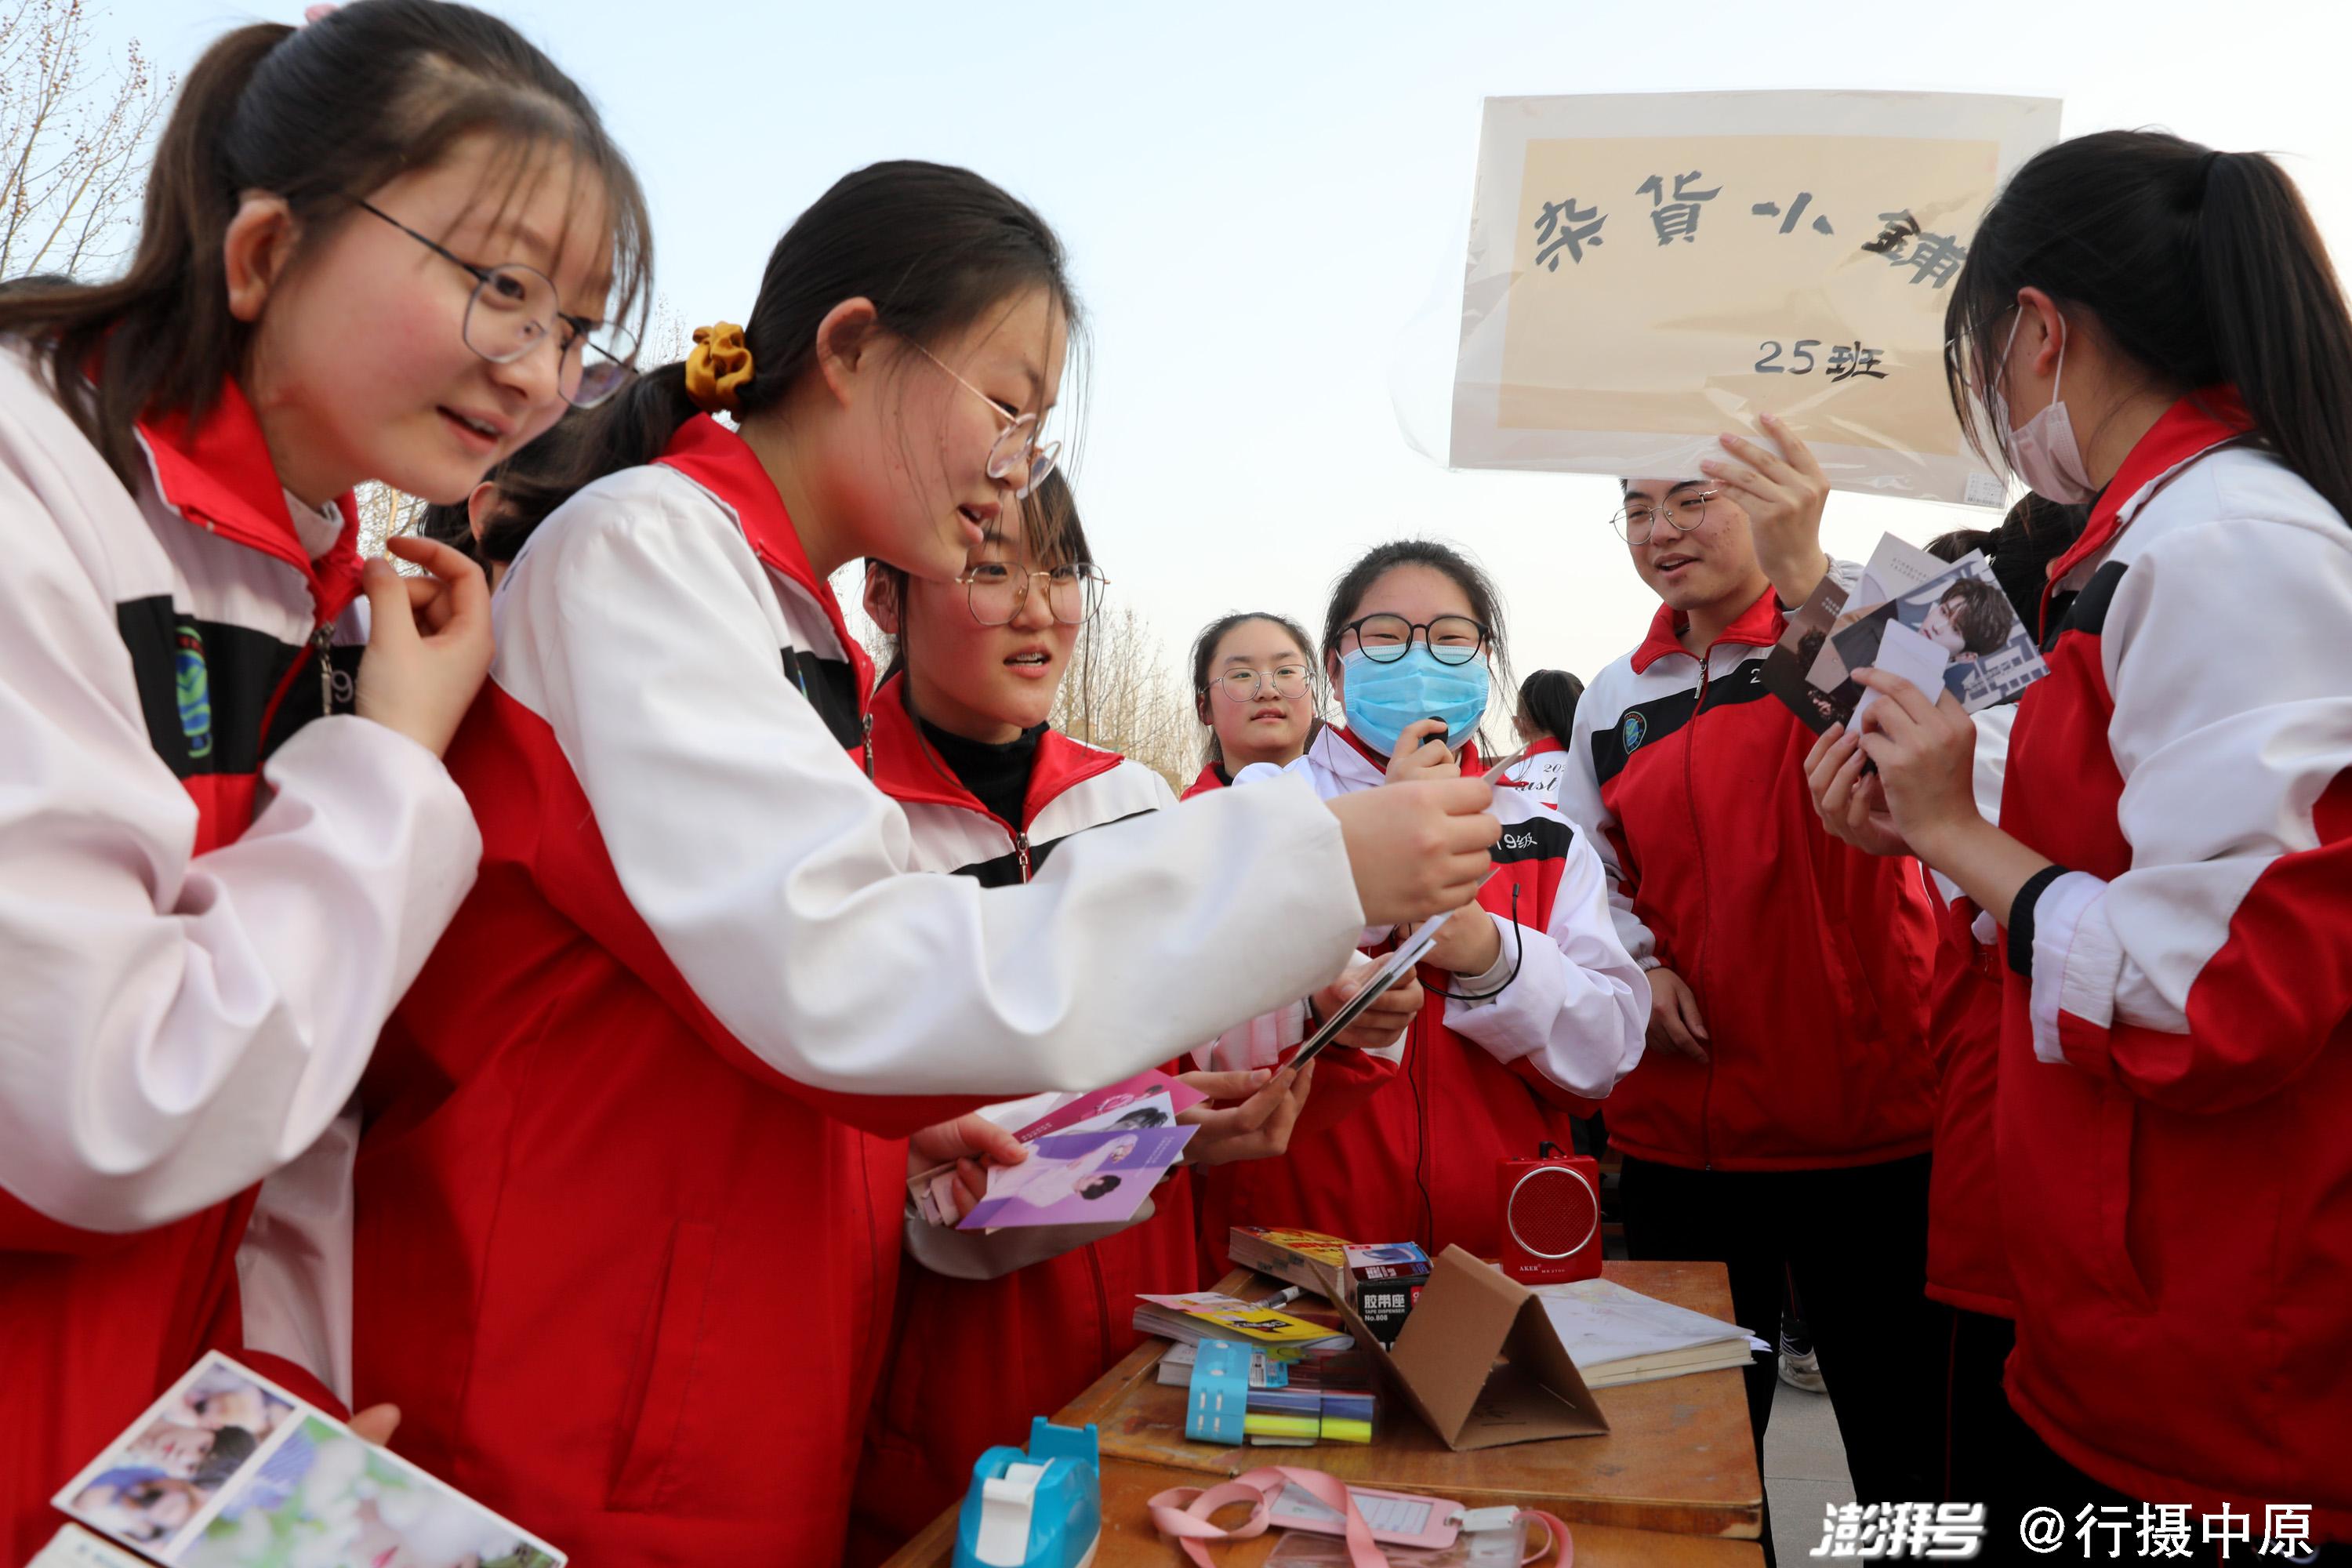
point(194, 683)
point(1633, 731)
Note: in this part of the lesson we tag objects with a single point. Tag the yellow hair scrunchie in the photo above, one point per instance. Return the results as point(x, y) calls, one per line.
point(718, 368)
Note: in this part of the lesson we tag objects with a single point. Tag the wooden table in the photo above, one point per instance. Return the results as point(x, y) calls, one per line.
point(1674, 1482)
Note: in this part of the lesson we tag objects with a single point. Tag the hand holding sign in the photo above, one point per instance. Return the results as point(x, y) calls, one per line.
point(1782, 493)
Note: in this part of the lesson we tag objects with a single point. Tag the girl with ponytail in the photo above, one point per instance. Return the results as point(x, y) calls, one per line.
point(630, 1203)
point(1546, 721)
point(389, 246)
point(2153, 327)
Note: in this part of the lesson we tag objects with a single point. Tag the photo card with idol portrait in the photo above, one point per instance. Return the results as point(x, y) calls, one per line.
point(229, 1470)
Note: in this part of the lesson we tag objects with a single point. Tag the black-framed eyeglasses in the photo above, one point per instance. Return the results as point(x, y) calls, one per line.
point(1636, 521)
point(1288, 680)
point(996, 591)
point(509, 315)
point(1451, 639)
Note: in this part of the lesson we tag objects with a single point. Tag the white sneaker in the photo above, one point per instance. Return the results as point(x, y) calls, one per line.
point(1801, 1371)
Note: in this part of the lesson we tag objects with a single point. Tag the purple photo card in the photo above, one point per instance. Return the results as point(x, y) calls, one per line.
point(1086, 1107)
point(1079, 1178)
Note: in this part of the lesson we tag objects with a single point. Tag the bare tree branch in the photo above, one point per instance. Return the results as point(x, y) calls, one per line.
point(384, 512)
point(73, 140)
point(1125, 693)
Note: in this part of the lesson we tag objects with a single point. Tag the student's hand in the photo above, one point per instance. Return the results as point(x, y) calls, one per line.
point(1468, 943)
point(375, 1424)
point(968, 1140)
point(1675, 1022)
point(1422, 754)
point(1256, 1129)
point(1416, 849)
point(1783, 493)
point(428, 642)
point(1926, 753)
point(1851, 804)
point(1384, 1017)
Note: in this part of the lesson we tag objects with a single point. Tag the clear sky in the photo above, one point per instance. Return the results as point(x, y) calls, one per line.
point(1260, 198)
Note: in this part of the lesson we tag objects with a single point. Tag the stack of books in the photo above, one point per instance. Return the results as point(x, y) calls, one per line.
point(1190, 1319)
point(1618, 1336)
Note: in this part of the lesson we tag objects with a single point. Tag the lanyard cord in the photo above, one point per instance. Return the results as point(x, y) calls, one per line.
point(1518, 955)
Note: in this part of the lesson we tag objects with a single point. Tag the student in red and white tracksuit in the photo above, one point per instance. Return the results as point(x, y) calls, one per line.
point(1253, 691)
point(991, 1330)
point(631, 1192)
point(226, 844)
point(1549, 1009)
point(2172, 868)
point(1968, 1257)
point(1546, 712)
point(1782, 1118)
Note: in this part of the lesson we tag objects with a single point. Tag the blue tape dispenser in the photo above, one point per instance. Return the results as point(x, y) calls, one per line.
point(1220, 1391)
point(1042, 1509)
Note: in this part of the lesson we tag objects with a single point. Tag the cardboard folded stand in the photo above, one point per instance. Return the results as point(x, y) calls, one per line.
point(1480, 1361)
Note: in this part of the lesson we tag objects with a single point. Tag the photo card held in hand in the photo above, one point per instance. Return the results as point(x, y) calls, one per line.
point(1079, 1178)
point(229, 1470)
point(1990, 655)
point(1128, 1098)
point(1958, 615)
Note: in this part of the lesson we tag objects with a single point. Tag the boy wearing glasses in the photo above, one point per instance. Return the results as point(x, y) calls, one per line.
point(1782, 1117)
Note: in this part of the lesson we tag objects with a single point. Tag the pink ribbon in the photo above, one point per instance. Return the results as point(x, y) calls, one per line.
point(1562, 1544)
point(1182, 1514)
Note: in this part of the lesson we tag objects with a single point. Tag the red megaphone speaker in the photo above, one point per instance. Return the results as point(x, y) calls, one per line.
point(1550, 1209)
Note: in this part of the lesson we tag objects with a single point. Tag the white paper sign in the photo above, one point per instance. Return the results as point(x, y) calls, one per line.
point(1649, 272)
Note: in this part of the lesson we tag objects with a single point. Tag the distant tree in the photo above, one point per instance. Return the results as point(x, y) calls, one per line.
point(1124, 693)
point(73, 141)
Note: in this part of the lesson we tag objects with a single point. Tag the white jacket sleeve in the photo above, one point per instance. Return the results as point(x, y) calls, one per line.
point(294, 1265)
point(955, 1254)
point(1580, 1006)
point(1580, 802)
point(173, 1027)
point(2217, 966)
point(644, 632)
point(1260, 1042)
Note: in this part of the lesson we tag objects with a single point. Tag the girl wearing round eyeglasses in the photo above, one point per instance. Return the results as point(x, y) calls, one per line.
point(1253, 688)
point(700, 994)
point(226, 842)
point(1534, 1008)
point(1020, 1321)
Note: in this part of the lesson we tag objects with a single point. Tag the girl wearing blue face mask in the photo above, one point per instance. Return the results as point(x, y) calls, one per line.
point(1533, 1007)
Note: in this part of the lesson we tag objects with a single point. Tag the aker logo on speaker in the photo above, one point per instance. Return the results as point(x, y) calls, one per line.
point(1550, 1218)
